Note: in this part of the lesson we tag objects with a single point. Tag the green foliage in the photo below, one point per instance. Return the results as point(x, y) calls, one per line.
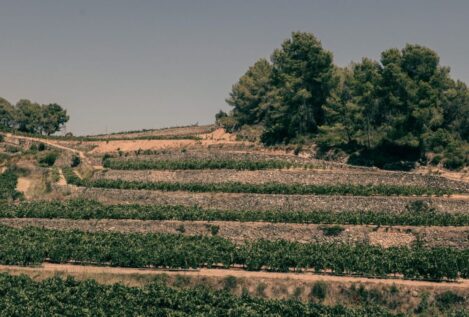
point(34, 245)
point(48, 159)
point(249, 96)
point(406, 105)
point(230, 283)
point(38, 119)
point(41, 147)
point(8, 181)
point(302, 80)
point(7, 114)
point(75, 161)
point(90, 209)
point(332, 231)
point(21, 296)
point(447, 299)
point(319, 290)
point(214, 230)
point(12, 149)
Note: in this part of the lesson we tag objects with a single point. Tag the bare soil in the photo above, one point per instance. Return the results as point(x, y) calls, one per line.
point(23, 185)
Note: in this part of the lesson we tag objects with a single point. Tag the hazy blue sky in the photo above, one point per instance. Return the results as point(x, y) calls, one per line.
point(122, 65)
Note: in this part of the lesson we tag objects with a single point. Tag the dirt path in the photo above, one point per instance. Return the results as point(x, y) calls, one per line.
point(23, 185)
point(62, 180)
point(222, 273)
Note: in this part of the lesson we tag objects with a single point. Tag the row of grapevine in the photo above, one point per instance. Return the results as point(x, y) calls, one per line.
point(8, 180)
point(34, 245)
point(266, 188)
point(90, 209)
point(194, 164)
point(21, 296)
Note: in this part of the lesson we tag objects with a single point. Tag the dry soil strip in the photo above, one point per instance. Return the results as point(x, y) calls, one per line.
point(83, 270)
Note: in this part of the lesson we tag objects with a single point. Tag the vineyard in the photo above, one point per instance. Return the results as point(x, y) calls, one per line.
point(8, 181)
point(230, 208)
point(266, 188)
point(198, 164)
point(416, 215)
point(69, 297)
point(33, 246)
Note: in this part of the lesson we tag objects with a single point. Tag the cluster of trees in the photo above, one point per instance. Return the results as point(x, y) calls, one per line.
point(418, 213)
point(31, 117)
point(31, 245)
point(404, 106)
point(22, 296)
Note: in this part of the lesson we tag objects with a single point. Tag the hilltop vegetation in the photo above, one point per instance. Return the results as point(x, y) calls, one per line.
point(31, 117)
point(405, 107)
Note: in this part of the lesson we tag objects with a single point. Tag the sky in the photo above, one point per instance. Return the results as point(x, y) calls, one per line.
point(126, 65)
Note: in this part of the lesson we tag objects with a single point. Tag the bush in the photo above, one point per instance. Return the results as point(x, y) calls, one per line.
point(455, 156)
point(230, 283)
point(331, 231)
point(214, 230)
point(48, 160)
point(319, 290)
point(2, 138)
point(447, 299)
point(41, 147)
point(420, 206)
point(181, 229)
point(260, 289)
point(75, 161)
point(436, 160)
point(12, 149)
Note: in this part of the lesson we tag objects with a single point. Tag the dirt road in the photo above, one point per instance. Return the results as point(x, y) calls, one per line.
point(222, 273)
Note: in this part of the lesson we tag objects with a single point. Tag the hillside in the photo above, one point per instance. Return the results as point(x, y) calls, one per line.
point(194, 206)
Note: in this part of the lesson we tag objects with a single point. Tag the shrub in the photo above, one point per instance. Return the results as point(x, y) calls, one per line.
point(260, 289)
point(436, 159)
point(230, 283)
point(2, 138)
point(332, 231)
point(214, 230)
point(48, 159)
point(319, 290)
point(447, 299)
point(181, 281)
point(75, 161)
point(420, 206)
point(181, 229)
point(12, 149)
point(41, 147)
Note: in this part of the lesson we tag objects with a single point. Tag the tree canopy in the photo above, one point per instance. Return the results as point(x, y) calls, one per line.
point(31, 117)
point(404, 107)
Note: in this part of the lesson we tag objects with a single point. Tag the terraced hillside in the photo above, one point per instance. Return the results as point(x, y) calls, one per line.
point(259, 225)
